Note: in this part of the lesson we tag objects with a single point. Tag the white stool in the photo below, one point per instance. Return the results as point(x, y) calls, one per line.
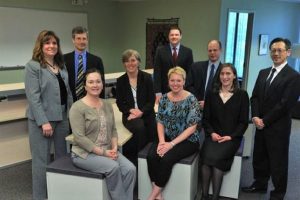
point(65, 181)
point(183, 183)
point(231, 180)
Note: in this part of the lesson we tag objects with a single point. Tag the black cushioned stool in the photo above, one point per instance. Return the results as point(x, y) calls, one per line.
point(65, 181)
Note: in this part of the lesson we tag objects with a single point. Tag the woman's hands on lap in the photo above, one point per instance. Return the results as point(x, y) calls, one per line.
point(217, 138)
point(163, 148)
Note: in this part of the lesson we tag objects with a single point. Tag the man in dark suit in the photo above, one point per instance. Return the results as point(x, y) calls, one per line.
point(168, 56)
point(72, 61)
point(202, 74)
point(275, 93)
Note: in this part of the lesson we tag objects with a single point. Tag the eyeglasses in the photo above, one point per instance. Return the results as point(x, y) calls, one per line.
point(279, 51)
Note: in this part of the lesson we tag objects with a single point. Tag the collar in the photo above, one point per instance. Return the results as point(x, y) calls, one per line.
point(280, 67)
point(177, 47)
point(77, 53)
point(217, 63)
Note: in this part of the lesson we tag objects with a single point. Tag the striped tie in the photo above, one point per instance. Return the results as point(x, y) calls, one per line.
point(80, 75)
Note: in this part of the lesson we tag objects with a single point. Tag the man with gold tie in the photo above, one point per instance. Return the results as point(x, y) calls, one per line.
point(80, 60)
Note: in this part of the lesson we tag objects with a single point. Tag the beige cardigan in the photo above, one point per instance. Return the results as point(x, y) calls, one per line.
point(85, 126)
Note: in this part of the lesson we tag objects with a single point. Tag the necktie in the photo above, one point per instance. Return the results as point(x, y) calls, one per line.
point(210, 78)
point(174, 55)
point(268, 82)
point(80, 75)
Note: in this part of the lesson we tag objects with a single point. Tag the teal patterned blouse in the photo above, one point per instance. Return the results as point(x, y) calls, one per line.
point(178, 116)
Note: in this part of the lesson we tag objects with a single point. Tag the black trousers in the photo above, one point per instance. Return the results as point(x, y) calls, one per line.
point(270, 158)
point(143, 131)
point(160, 168)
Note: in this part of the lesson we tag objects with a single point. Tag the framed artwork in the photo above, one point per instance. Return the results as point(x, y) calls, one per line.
point(263, 44)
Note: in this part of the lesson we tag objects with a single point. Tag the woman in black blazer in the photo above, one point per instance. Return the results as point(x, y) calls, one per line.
point(135, 99)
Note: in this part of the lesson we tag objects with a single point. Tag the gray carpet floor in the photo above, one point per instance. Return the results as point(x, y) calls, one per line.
point(15, 181)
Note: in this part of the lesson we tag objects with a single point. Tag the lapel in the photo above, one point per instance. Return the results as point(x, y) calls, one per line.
point(205, 68)
point(169, 54)
point(87, 60)
point(139, 86)
point(276, 81)
point(71, 69)
point(129, 92)
point(180, 54)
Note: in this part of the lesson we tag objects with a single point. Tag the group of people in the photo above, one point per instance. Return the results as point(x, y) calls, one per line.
point(54, 81)
point(191, 97)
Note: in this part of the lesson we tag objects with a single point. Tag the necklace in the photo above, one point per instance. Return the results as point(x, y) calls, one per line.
point(225, 95)
point(52, 66)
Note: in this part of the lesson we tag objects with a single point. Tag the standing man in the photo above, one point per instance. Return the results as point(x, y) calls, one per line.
point(78, 61)
point(275, 93)
point(168, 56)
point(202, 74)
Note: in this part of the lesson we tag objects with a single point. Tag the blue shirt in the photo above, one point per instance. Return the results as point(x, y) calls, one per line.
point(77, 62)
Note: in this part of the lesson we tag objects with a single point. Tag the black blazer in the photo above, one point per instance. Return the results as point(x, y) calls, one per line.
point(163, 62)
point(92, 61)
point(145, 94)
point(275, 106)
point(196, 79)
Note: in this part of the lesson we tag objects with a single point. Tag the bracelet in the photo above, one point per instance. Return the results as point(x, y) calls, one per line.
point(172, 143)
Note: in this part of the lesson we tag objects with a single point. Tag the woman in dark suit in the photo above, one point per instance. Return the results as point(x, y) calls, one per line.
point(225, 120)
point(135, 99)
point(49, 98)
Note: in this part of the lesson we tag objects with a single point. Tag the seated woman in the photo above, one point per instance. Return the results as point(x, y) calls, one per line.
point(96, 140)
point(225, 120)
point(177, 120)
point(135, 99)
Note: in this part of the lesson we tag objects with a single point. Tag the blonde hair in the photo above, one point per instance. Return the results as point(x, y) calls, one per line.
point(177, 70)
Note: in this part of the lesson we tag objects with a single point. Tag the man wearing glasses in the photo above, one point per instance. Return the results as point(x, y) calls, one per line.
point(275, 93)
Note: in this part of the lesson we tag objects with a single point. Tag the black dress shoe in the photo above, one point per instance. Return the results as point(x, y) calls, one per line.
point(254, 189)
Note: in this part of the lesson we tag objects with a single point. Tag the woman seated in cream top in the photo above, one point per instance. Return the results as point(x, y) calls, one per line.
point(96, 140)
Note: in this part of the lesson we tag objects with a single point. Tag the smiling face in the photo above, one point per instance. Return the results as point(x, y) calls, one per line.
point(93, 84)
point(80, 41)
point(176, 82)
point(279, 53)
point(226, 77)
point(50, 48)
point(131, 65)
point(174, 37)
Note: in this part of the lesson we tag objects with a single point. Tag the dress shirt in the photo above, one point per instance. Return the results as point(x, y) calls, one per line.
point(77, 62)
point(177, 49)
point(278, 69)
point(217, 63)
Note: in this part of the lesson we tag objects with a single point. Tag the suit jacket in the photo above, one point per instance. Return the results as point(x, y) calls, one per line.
point(92, 61)
point(196, 79)
point(42, 92)
point(163, 62)
point(275, 106)
point(145, 94)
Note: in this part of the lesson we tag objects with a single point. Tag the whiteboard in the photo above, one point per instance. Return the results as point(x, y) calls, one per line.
point(19, 28)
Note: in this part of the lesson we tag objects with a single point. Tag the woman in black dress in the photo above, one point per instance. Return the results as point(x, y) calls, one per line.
point(225, 120)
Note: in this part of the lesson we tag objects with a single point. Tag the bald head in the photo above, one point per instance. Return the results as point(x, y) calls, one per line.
point(214, 49)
